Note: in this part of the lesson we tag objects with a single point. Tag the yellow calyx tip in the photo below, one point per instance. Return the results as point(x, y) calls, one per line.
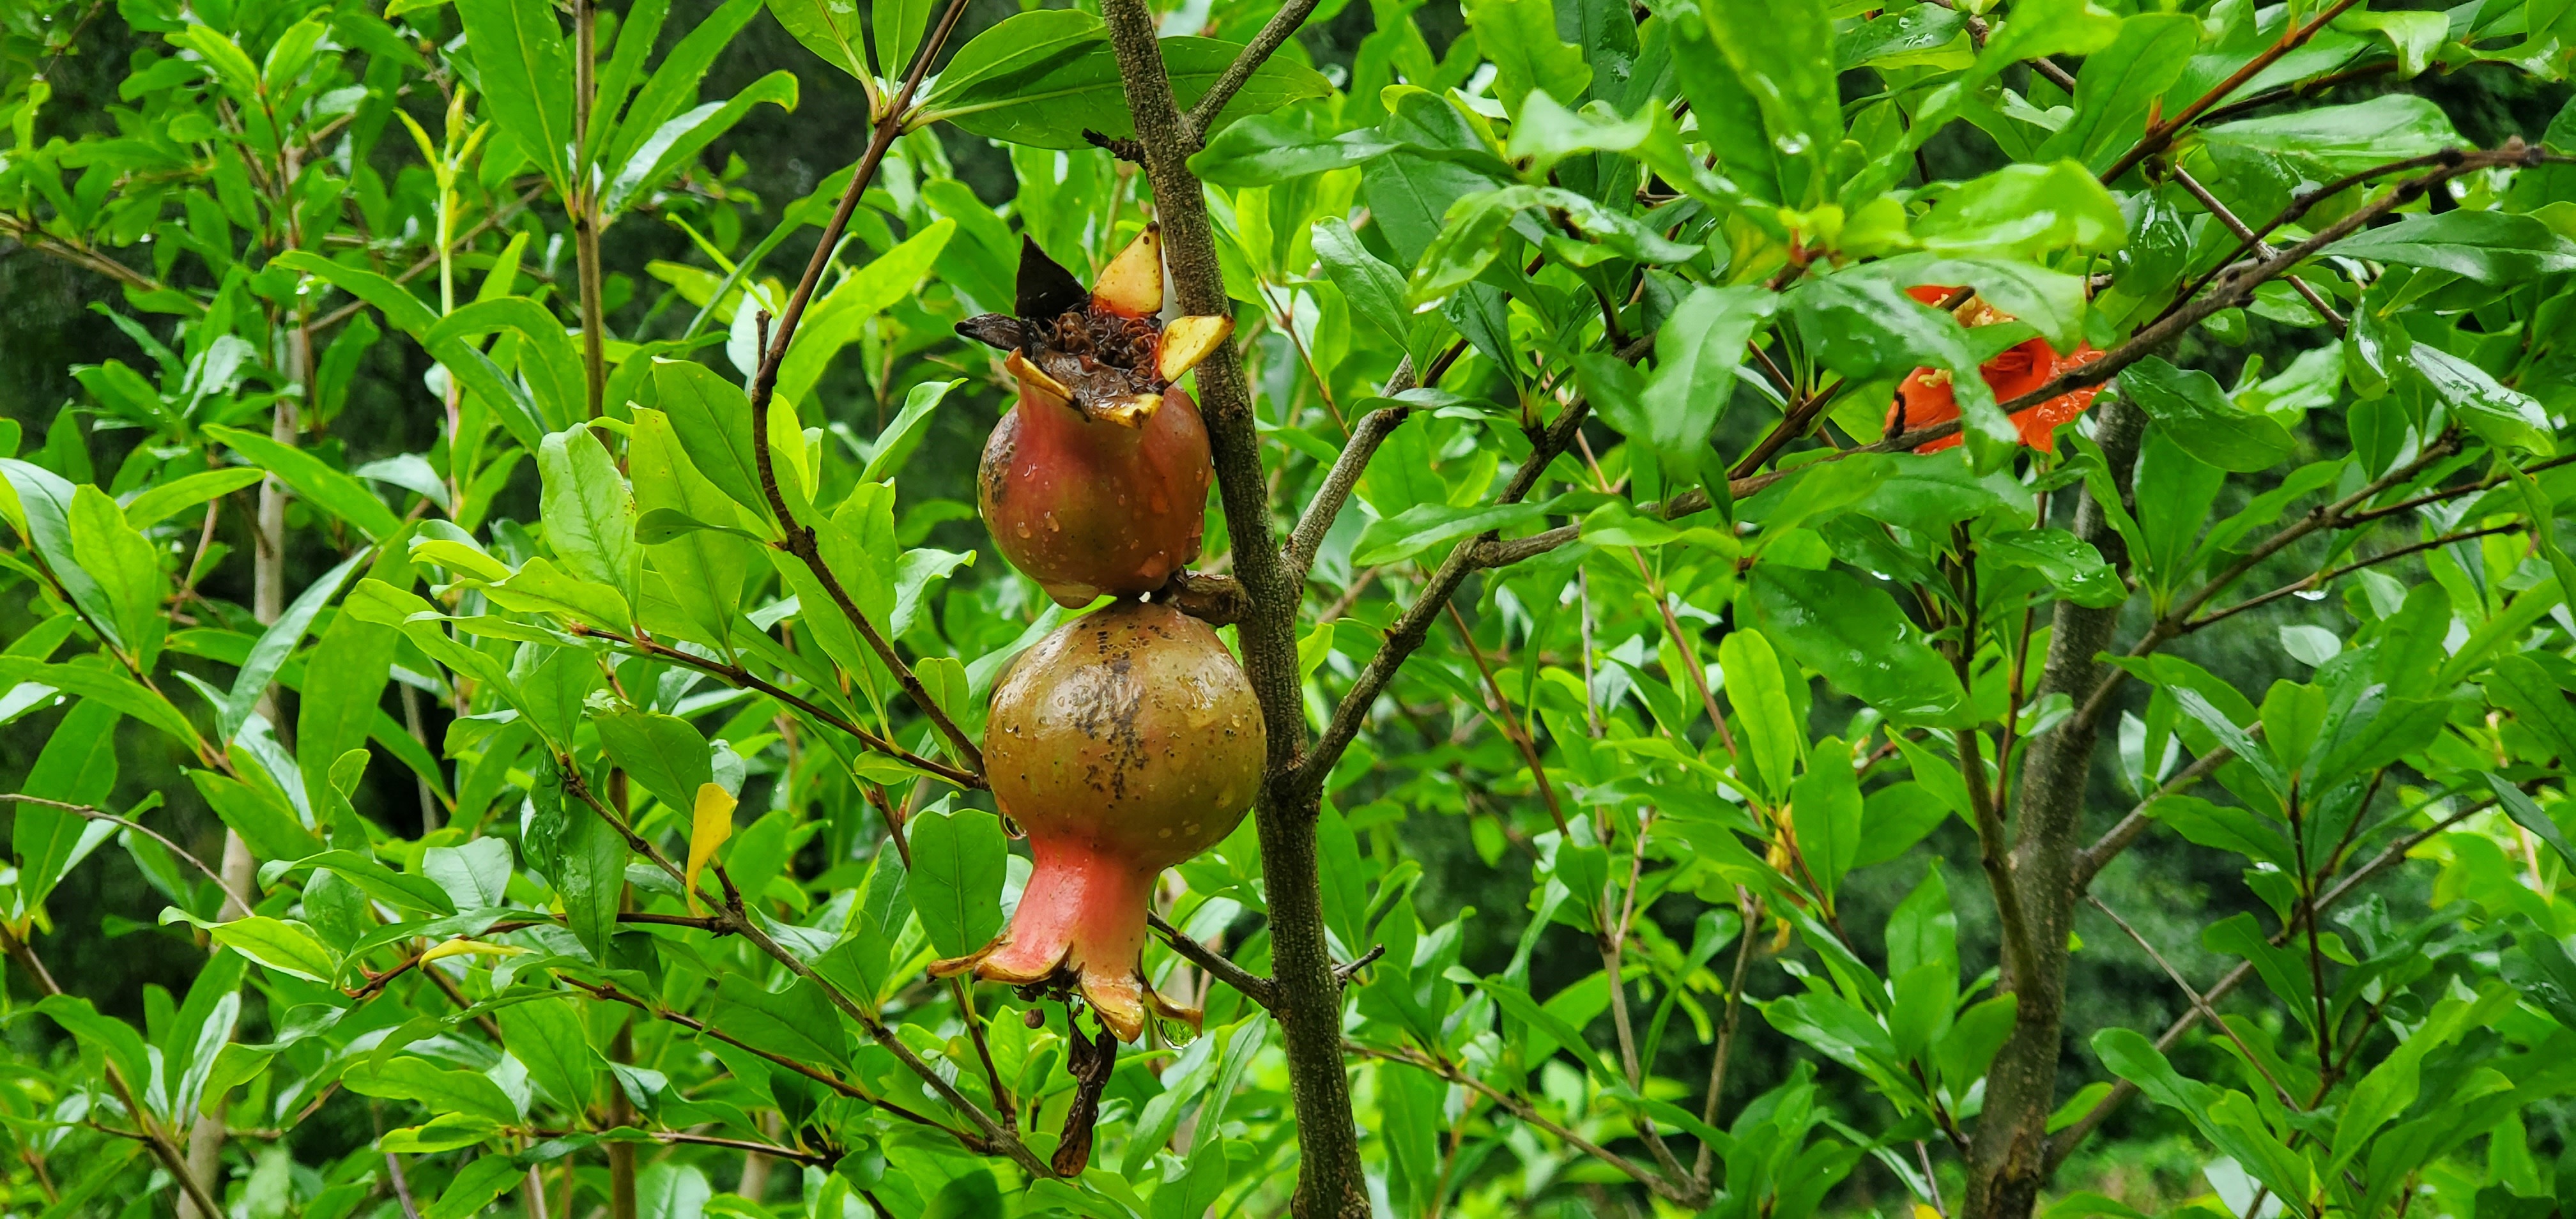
point(1035, 383)
point(1132, 283)
point(1187, 341)
point(1132, 411)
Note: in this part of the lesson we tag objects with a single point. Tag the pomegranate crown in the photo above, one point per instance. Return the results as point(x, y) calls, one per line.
point(1101, 350)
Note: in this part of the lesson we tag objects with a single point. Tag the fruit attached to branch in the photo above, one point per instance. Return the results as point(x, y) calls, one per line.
point(1926, 397)
point(1096, 480)
point(1124, 743)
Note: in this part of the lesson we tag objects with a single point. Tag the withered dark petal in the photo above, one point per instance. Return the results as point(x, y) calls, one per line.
point(1046, 288)
point(997, 330)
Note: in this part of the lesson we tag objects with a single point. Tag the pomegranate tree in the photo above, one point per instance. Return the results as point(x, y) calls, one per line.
point(1124, 743)
point(1096, 480)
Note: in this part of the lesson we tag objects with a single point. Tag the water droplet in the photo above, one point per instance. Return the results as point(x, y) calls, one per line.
point(1023, 529)
point(2310, 594)
point(1791, 145)
point(1053, 527)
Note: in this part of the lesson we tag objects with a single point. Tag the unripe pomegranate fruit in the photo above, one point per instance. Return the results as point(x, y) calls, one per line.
point(1096, 480)
point(1124, 743)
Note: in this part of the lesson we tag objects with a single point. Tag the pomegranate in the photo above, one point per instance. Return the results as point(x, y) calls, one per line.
point(1926, 398)
point(1096, 480)
point(1124, 743)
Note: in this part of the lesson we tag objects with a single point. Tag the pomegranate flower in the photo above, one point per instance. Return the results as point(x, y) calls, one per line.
point(1926, 396)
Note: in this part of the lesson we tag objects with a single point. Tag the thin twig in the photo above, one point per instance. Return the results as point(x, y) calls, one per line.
point(2261, 248)
point(1525, 1111)
point(799, 539)
point(1282, 25)
point(2330, 575)
point(2198, 1002)
point(100, 814)
point(1259, 989)
point(2161, 136)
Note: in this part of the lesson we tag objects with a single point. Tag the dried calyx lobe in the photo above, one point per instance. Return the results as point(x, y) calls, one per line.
point(1102, 349)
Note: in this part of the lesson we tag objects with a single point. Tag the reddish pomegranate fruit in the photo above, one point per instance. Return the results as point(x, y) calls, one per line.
point(1096, 480)
point(1926, 397)
point(1124, 743)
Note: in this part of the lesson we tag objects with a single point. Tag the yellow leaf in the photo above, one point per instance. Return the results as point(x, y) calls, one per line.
point(709, 826)
point(464, 947)
point(1925, 1212)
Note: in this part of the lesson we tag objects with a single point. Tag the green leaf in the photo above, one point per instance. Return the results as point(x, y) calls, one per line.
point(478, 1186)
point(153, 505)
point(712, 419)
point(1374, 290)
point(39, 504)
point(2345, 139)
point(675, 145)
point(1781, 56)
point(2051, 27)
point(798, 1021)
point(2133, 1058)
point(344, 684)
point(1964, 1053)
point(590, 511)
point(703, 566)
point(2071, 565)
point(2500, 415)
point(546, 1035)
point(1519, 38)
point(76, 766)
point(831, 29)
point(900, 27)
point(662, 752)
point(1825, 810)
point(1044, 83)
point(2489, 247)
point(1764, 716)
point(405, 1077)
point(115, 1039)
point(2528, 814)
point(527, 80)
point(540, 587)
point(319, 485)
point(1854, 636)
point(1697, 352)
point(287, 947)
point(90, 679)
point(2414, 36)
point(2223, 828)
point(401, 890)
point(1423, 526)
point(277, 643)
point(545, 355)
point(590, 876)
point(838, 316)
point(2197, 415)
point(127, 569)
point(2120, 84)
point(266, 825)
point(895, 444)
point(957, 871)
point(2021, 211)
point(1287, 145)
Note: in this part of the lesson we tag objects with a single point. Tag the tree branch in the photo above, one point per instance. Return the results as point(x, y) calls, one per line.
point(2261, 248)
point(799, 539)
point(1254, 987)
point(100, 814)
point(2090, 863)
point(2332, 574)
point(2066, 1141)
point(1527, 1112)
point(2161, 136)
point(1195, 124)
point(742, 678)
